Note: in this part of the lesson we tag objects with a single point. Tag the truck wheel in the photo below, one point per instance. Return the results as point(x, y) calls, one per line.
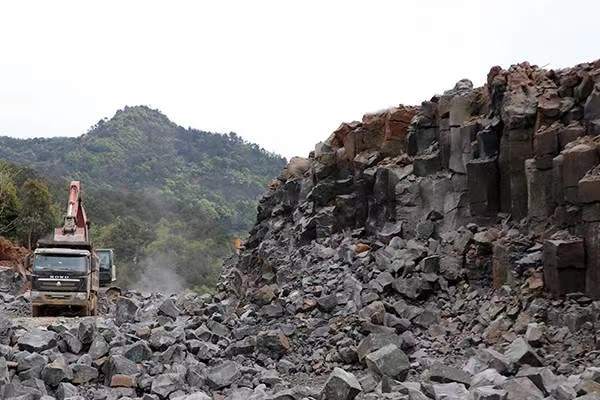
point(94, 304)
point(36, 311)
point(85, 310)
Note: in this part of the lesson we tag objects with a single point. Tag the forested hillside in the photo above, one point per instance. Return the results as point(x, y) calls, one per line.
point(165, 197)
point(27, 209)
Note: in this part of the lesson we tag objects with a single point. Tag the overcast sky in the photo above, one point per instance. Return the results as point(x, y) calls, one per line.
point(282, 74)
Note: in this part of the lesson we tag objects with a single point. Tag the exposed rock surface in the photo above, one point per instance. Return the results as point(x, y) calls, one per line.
point(406, 258)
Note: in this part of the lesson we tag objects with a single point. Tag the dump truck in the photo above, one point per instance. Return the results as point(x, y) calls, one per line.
point(65, 268)
point(108, 270)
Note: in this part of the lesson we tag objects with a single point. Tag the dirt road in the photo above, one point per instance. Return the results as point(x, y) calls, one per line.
point(43, 322)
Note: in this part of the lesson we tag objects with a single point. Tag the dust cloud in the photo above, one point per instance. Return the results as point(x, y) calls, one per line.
point(158, 276)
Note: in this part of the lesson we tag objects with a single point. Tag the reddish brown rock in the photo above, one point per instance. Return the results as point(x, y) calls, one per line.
point(396, 126)
point(119, 380)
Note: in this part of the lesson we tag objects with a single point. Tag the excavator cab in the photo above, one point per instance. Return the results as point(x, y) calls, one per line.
point(108, 273)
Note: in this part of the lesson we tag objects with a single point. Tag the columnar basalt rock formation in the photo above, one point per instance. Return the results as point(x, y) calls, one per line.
point(524, 146)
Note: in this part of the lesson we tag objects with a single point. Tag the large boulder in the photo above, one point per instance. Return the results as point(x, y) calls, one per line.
point(99, 348)
point(520, 352)
point(126, 310)
point(56, 372)
point(375, 341)
point(341, 385)
point(37, 340)
point(223, 375)
point(522, 389)
point(117, 364)
point(450, 391)
point(272, 343)
point(388, 361)
point(83, 373)
point(165, 384)
point(445, 374)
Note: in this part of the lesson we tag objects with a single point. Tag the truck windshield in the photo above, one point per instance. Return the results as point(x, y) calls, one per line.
point(74, 263)
point(104, 257)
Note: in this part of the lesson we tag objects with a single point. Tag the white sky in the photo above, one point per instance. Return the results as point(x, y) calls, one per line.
point(280, 73)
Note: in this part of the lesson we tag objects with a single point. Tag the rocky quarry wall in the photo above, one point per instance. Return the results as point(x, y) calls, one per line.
point(523, 150)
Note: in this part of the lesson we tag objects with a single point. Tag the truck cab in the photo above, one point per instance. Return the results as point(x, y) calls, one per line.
point(64, 277)
point(108, 272)
point(65, 270)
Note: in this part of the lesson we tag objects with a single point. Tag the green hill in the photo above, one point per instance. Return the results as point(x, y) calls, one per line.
point(157, 192)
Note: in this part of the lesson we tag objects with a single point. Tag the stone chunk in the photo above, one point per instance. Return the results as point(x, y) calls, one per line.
point(160, 338)
point(169, 309)
point(126, 310)
point(165, 384)
point(488, 393)
point(388, 361)
point(487, 377)
point(273, 343)
point(450, 391)
point(376, 341)
point(86, 331)
point(446, 374)
point(541, 377)
point(534, 334)
point(591, 373)
point(341, 385)
point(520, 352)
point(126, 381)
point(564, 266)
point(522, 389)
point(74, 345)
point(138, 352)
point(65, 391)
point(327, 303)
point(37, 340)
point(56, 372)
point(98, 348)
point(83, 373)
point(563, 392)
point(223, 375)
point(117, 364)
point(577, 159)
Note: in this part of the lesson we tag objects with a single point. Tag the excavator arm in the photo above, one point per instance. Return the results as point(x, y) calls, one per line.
point(75, 225)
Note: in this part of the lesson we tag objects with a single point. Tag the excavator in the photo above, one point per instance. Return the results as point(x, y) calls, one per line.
point(66, 269)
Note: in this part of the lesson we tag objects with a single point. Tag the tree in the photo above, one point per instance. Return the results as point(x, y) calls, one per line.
point(38, 216)
point(9, 202)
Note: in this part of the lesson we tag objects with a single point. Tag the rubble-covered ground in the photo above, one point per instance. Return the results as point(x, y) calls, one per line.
point(445, 251)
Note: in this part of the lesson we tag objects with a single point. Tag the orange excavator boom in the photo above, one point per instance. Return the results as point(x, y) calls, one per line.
point(75, 225)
